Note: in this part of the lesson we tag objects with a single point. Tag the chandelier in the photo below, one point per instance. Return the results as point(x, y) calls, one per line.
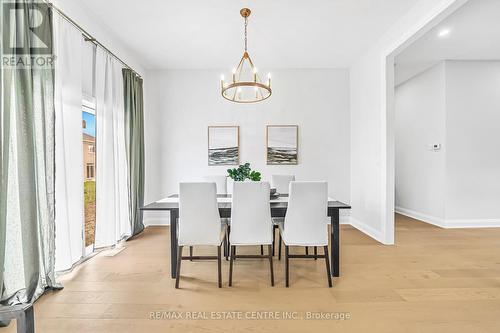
point(246, 85)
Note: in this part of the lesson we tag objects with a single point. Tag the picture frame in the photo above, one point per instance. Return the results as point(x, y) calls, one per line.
point(282, 143)
point(223, 145)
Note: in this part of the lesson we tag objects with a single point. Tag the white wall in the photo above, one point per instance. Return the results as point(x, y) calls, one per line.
point(473, 136)
point(420, 106)
point(182, 103)
point(372, 136)
point(100, 31)
point(456, 103)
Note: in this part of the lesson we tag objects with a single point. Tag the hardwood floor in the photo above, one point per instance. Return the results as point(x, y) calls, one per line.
point(432, 280)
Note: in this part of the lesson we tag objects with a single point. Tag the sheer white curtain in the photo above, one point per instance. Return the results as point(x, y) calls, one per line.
point(69, 205)
point(112, 201)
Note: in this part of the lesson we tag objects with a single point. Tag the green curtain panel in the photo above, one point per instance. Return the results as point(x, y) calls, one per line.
point(27, 153)
point(134, 137)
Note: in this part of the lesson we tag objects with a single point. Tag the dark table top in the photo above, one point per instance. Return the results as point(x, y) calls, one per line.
point(280, 201)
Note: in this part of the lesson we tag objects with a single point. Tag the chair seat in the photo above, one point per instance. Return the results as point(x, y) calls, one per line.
point(305, 242)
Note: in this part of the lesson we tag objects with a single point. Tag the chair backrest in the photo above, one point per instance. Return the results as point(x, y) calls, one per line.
point(251, 214)
point(220, 181)
point(199, 219)
point(282, 182)
point(307, 213)
point(230, 183)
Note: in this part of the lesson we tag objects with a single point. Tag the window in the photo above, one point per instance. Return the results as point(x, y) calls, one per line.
point(89, 145)
point(90, 171)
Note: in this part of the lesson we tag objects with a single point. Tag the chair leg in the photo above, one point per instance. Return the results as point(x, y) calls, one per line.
point(279, 246)
point(274, 238)
point(191, 252)
point(327, 262)
point(307, 250)
point(228, 231)
point(315, 252)
point(271, 264)
point(262, 250)
point(224, 246)
point(179, 259)
point(231, 259)
point(287, 269)
point(219, 267)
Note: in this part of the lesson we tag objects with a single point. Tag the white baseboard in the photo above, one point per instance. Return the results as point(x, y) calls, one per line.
point(156, 222)
point(479, 223)
point(439, 222)
point(449, 224)
point(366, 229)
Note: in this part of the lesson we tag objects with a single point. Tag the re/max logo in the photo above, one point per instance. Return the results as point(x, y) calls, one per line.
point(177, 315)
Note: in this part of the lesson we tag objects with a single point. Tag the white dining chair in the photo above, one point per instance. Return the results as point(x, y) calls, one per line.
point(281, 183)
point(251, 222)
point(220, 181)
point(199, 223)
point(230, 184)
point(306, 222)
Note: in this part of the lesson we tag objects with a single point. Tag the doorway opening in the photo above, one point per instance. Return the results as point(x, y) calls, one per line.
point(441, 123)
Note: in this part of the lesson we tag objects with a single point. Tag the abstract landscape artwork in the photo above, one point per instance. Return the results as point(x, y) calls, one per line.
point(223, 145)
point(282, 143)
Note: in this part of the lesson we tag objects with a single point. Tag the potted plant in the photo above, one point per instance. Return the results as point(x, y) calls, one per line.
point(244, 172)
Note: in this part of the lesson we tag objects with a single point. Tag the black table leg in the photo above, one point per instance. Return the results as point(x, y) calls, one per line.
point(335, 248)
point(174, 214)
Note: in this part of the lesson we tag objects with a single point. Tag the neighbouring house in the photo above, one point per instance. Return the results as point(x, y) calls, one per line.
point(88, 157)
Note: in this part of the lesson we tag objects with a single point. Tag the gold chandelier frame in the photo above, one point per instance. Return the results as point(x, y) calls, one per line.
point(232, 90)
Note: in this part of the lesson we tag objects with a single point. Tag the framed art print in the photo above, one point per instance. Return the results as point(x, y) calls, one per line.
point(282, 144)
point(223, 145)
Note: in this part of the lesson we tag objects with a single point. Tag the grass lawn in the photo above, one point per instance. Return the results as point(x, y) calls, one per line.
point(89, 192)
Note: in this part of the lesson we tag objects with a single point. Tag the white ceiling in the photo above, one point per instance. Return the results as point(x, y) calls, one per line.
point(282, 33)
point(474, 34)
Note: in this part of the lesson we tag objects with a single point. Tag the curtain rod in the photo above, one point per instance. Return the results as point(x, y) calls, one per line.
point(89, 37)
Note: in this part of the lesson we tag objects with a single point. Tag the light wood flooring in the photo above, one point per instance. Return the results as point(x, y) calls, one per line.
point(432, 280)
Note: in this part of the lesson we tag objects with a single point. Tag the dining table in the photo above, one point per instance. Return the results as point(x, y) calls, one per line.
point(278, 205)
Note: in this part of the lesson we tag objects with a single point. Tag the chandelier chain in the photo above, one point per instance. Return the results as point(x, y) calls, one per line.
point(246, 24)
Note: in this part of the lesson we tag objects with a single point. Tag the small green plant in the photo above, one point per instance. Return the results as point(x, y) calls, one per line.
point(244, 172)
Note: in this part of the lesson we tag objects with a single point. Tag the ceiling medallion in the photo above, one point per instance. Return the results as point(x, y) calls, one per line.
point(246, 85)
